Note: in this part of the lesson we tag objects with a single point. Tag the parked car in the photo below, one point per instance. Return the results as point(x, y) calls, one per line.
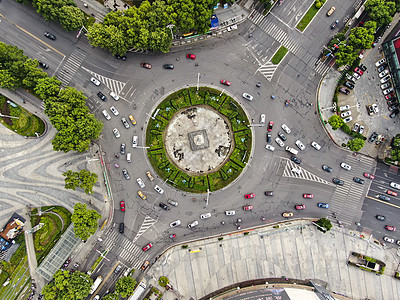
point(300, 145)
point(389, 192)
point(106, 115)
point(373, 137)
point(148, 174)
point(384, 198)
point(193, 224)
point(173, 202)
point(348, 119)
point(270, 148)
point(309, 196)
point(315, 145)
point(394, 113)
point(125, 123)
point(164, 206)
point(43, 65)
point(132, 119)
point(349, 85)
point(383, 73)
point(286, 128)
point(141, 195)
point(361, 131)
point(388, 91)
point(126, 174)
point(358, 71)
point(270, 125)
point(159, 189)
point(295, 159)
point(388, 239)
point(282, 136)
point(345, 114)
point(122, 148)
point(140, 183)
point(230, 212)
point(380, 62)
point(279, 142)
point(121, 227)
point(114, 111)
point(381, 68)
point(247, 207)
point(262, 119)
point(344, 91)
point(386, 78)
point(269, 193)
point(114, 96)
point(269, 137)
point(356, 126)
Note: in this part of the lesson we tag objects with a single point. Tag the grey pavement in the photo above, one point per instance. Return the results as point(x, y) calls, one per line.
point(299, 253)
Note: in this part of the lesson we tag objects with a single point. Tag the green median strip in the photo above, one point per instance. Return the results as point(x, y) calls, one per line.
point(307, 18)
point(279, 55)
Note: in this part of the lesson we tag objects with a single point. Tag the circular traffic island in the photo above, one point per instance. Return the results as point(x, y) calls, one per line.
point(198, 140)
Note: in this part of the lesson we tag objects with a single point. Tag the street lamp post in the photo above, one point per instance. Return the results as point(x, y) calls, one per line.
point(1, 115)
point(170, 26)
point(198, 80)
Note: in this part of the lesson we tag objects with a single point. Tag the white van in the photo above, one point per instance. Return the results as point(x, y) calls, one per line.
point(135, 141)
point(291, 150)
point(129, 157)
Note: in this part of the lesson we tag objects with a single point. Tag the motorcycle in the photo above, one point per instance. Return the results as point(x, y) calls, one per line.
point(116, 155)
point(171, 236)
point(287, 103)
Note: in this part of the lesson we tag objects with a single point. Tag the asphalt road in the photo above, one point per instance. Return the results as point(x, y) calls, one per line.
point(235, 57)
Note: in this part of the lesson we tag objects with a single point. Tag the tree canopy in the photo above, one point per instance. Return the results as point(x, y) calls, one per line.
point(125, 286)
point(324, 223)
point(380, 11)
point(68, 286)
point(85, 221)
point(362, 37)
point(355, 144)
point(82, 179)
point(336, 122)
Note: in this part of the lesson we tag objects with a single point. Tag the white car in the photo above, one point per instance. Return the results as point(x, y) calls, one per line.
point(356, 76)
point(248, 96)
point(159, 190)
point(262, 119)
point(344, 108)
point(345, 166)
point(385, 85)
point(388, 91)
point(205, 216)
point(385, 79)
point(345, 114)
point(95, 81)
point(287, 129)
point(388, 239)
point(348, 119)
point(270, 148)
point(193, 224)
point(173, 202)
point(230, 212)
point(361, 130)
point(316, 146)
point(297, 171)
point(300, 145)
point(114, 111)
point(383, 73)
point(380, 62)
point(115, 96)
point(116, 133)
point(395, 185)
point(140, 183)
point(175, 223)
point(135, 141)
point(375, 108)
point(280, 142)
point(106, 115)
point(126, 124)
point(355, 127)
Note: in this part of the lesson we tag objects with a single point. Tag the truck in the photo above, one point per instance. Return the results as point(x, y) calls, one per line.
point(291, 150)
point(138, 291)
point(96, 284)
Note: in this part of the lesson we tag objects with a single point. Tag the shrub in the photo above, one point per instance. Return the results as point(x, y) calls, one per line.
point(163, 281)
point(318, 4)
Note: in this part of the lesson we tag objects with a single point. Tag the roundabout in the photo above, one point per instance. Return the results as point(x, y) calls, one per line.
point(199, 141)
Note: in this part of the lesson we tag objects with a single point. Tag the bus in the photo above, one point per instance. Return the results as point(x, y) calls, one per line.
point(96, 284)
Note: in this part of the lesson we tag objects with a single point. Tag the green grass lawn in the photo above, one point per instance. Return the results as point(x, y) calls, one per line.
point(25, 123)
point(19, 278)
point(307, 18)
point(279, 55)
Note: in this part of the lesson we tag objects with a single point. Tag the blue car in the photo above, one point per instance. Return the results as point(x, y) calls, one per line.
point(323, 205)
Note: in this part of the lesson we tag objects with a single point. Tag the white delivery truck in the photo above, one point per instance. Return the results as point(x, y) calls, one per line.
point(138, 291)
point(291, 150)
point(96, 284)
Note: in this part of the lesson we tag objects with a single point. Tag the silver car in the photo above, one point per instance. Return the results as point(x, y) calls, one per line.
point(230, 212)
point(279, 142)
point(247, 96)
point(114, 96)
point(300, 145)
point(95, 81)
point(173, 202)
point(175, 223)
point(345, 166)
point(193, 224)
point(114, 111)
point(140, 183)
point(106, 115)
point(286, 128)
point(158, 189)
point(126, 124)
point(116, 133)
point(205, 216)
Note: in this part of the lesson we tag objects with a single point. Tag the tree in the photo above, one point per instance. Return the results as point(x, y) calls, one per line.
point(361, 38)
point(125, 286)
point(112, 296)
point(380, 11)
point(71, 17)
point(82, 179)
point(66, 286)
point(48, 89)
point(336, 122)
point(85, 221)
point(355, 144)
point(7, 80)
point(163, 281)
point(345, 55)
point(324, 223)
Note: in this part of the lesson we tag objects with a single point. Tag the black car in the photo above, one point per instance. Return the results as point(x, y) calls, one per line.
point(101, 96)
point(349, 85)
point(43, 65)
point(344, 91)
point(122, 149)
point(393, 107)
point(334, 24)
point(327, 168)
point(373, 137)
point(168, 66)
point(391, 102)
point(269, 193)
point(121, 227)
point(384, 197)
point(282, 136)
point(337, 181)
point(121, 57)
point(164, 206)
point(269, 137)
point(381, 68)
point(363, 68)
point(49, 35)
point(295, 159)
point(126, 174)
point(358, 180)
point(381, 218)
point(394, 113)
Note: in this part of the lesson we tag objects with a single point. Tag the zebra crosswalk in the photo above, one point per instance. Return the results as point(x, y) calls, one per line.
point(348, 199)
point(147, 223)
point(114, 85)
point(302, 174)
point(127, 250)
point(73, 63)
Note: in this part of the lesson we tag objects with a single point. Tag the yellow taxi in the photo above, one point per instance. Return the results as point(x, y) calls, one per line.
point(287, 214)
point(330, 12)
point(132, 119)
point(141, 195)
point(149, 175)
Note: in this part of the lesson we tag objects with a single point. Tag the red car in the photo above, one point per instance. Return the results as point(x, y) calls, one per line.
point(247, 207)
point(300, 206)
point(191, 56)
point(359, 71)
point(308, 196)
point(226, 82)
point(390, 228)
point(391, 193)
point(390, 96)
point(147, 247)
point(270, 126)
point(370, 176)
point(146, 65)
point(249, 196)
point(122, 205)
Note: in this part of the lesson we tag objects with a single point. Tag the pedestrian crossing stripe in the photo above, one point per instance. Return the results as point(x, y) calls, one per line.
point(147, 223)
point(114, 85)
point(306, 175)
